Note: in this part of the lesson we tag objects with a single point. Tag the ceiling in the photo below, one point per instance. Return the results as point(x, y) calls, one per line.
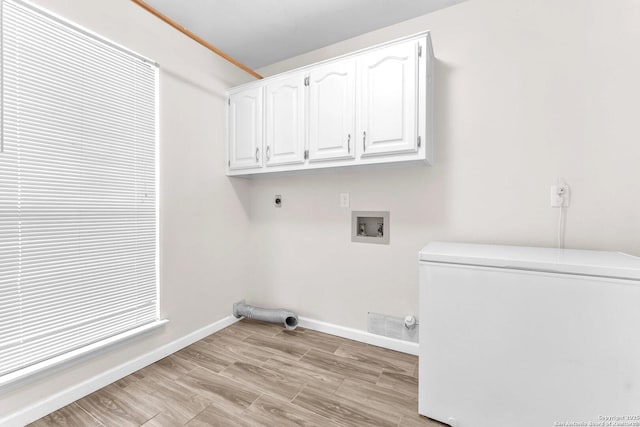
point(262, 32)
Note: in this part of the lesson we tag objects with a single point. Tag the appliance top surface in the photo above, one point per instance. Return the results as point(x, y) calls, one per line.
point(571, 261)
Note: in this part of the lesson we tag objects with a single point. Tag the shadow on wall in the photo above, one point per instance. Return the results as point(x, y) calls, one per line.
point(241, 187)
point(242, 190)
point(439, 177)
point(442, 110)
point(219, 92)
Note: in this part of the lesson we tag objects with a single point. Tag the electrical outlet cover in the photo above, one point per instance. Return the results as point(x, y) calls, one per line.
point(344, 200)
point(559, 196)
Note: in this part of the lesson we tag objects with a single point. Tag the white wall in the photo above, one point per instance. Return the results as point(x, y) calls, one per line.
point(203, 215)
point(526, 91)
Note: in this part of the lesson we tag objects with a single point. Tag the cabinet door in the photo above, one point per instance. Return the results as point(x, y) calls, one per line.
point(245, 129)
point(389, 99)
point(332, 111)
point(285, 121)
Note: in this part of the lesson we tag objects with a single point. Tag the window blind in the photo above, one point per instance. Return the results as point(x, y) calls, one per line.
point(78, 216)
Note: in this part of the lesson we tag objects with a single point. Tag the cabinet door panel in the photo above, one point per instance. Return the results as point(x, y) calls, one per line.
point(389, 100)
point(245, 129)
point(285, 121)
point(332, 111)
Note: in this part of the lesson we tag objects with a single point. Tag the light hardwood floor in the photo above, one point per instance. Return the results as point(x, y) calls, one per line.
point(257, 374)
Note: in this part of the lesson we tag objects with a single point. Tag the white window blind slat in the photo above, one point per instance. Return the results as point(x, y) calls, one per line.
point(74, 321)
point(78, 208)
point(93, 331)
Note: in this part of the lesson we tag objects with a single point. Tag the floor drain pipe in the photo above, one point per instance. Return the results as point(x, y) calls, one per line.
point(274, 315)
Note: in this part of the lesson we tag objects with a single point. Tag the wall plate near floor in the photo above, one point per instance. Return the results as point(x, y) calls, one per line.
point(391, 327)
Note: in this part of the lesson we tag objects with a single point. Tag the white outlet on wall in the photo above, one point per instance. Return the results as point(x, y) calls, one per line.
point(559, 196)
point(344, 200)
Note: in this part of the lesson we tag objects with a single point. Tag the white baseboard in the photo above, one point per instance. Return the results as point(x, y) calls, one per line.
point(52, 403)
point(358, 335)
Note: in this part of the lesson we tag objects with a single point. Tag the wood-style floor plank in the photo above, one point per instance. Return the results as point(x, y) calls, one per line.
point(177, 402)
point(278, 346)
point(378, 397)
point(265, 380)
point(269, 411)
point(203, 357)
point(69, 416)
point(163, 419)
point(129, 379)
point(399, 382)
point(380, 357)
point(118, 409)
point(241, 349)
point(174, 367)
point(341, 365)
point(257, 374)
point(335, 339)
point(344, 411)
point(305, 373)
point(223, 391)
point(219, 415)
point(308, 338)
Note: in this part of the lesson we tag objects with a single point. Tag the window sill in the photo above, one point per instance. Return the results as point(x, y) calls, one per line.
point(64, 358)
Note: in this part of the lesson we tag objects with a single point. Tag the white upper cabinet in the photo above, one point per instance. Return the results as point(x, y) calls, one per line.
point(245, 129)
point(367, 108)
point(389, 100)
point(285, 124)
point(332, 89)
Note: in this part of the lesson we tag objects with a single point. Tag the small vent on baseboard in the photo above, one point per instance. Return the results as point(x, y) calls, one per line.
point(391, 327)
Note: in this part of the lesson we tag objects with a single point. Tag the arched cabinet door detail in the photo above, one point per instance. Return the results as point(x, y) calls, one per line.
point(389, 100)
point(284, 127)
point(332, 89)
point(245, 129)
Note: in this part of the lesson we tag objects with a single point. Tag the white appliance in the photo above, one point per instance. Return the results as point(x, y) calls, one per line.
point(529, 337)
